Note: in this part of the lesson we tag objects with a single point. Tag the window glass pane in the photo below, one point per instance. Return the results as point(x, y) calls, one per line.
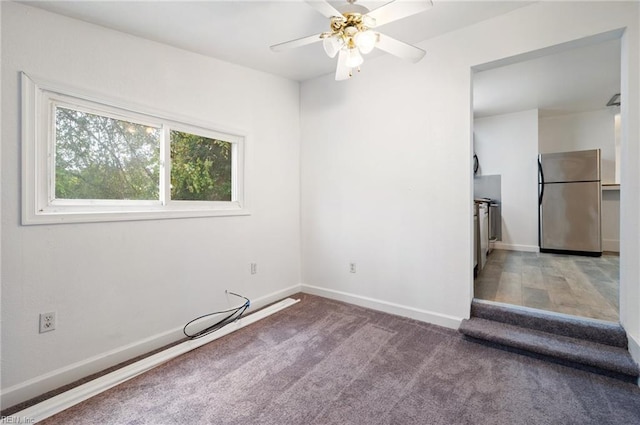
point(99, 157)
point(200, 168)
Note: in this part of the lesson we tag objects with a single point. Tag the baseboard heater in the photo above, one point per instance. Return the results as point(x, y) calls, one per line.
point(83, 392)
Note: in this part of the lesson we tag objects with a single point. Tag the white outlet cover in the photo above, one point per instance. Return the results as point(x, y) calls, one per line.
point(47, 322)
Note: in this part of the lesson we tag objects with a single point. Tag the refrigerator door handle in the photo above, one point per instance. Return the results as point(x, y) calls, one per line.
point(541, 173)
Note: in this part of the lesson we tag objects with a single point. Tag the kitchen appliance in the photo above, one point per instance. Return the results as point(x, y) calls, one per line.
point(483, 233)
point(475, 240)
point(495, 223)
point(569, 199)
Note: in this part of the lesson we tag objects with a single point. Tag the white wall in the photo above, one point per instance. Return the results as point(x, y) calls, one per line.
point(386, 165)
point(123, 288)
point(611, 220)
point(630, 178)
point(582, 131)
point(508, 145)
point(1, 190)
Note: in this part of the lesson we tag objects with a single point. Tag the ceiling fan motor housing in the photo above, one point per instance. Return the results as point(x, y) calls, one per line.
point(351, 7)
point(348, 24)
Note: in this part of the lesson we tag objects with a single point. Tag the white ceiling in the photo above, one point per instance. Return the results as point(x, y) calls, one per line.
point(577, 77)
point(241, 32)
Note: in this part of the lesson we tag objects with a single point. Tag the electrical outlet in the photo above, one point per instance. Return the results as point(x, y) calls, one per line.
point(254, 268)
point(47, 322)
point(352, 267)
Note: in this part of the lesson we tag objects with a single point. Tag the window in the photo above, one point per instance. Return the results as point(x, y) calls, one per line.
point(201, 168)
point(88, 160)
point(99, 157)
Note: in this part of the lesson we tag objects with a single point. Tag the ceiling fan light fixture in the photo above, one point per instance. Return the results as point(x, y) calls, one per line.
point(368, 21)
point(354, 58)
point(366, 41)
point(332, 45)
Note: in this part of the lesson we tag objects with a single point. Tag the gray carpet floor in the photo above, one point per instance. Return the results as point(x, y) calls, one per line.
point(326, 362)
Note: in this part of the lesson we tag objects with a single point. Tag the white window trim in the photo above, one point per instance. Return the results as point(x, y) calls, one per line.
point(38, 208)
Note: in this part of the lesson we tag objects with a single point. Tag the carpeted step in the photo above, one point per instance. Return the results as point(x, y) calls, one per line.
point(599, 331)
point(570, 351)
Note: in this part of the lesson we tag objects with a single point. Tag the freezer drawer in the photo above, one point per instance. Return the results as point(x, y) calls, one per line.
point(570, 217)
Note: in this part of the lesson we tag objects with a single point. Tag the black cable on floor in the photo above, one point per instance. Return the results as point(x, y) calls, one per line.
point(235, 314)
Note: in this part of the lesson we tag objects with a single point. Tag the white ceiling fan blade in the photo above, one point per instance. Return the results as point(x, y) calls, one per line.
point(343, 72)
point(399, 48)
point(324, 7)
point(398, 9)
point(296, 43)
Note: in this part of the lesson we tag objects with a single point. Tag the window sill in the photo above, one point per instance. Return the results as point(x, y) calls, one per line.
point(66, 215)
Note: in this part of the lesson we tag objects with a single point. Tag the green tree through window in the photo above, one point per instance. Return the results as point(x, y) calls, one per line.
point(200, 168)
point(98, 157)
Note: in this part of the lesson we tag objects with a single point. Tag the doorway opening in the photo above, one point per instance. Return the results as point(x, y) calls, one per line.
point(547, 101)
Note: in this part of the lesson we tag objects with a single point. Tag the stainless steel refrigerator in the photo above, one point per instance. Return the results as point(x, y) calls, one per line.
point(569, 198)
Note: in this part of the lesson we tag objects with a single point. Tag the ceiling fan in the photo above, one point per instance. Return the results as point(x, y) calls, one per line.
point(351, 32)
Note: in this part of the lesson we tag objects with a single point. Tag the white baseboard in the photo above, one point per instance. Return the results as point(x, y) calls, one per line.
point(83, 392)
point(611, 245)
point(385, 306)
point(515, 247)
point(60, 377)
point(634, 350)
point(274, 296)
point(39, 385)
